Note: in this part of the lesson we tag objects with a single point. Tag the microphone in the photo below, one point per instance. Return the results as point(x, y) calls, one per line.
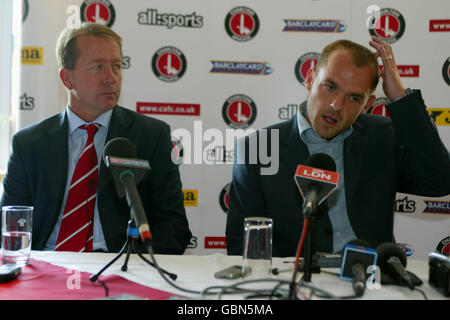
point(392, 261)
point(357, 257)
point(316, 180)
point(119, 156)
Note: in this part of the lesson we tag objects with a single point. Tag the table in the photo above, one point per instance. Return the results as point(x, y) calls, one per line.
point(196, 272)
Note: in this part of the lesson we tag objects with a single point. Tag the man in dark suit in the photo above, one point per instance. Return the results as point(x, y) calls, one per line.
point(375, 156)
point(44, 155)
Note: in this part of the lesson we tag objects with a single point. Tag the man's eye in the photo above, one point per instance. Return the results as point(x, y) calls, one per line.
point(355, 99)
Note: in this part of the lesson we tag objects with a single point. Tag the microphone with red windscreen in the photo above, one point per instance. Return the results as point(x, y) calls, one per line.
point(316, 181)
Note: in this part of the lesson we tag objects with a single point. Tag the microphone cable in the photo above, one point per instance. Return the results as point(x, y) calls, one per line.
point(150, 252)
point(298, 254)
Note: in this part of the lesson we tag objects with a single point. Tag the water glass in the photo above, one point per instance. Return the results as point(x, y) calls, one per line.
point(17, 222)
point(257, 255)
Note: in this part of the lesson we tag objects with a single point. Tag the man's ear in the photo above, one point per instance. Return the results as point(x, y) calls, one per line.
point(66, 77)
point(369, 103)
point(309, 80)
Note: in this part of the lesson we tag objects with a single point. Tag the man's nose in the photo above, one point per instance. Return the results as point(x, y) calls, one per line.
point(337, 103)
point(110, 76)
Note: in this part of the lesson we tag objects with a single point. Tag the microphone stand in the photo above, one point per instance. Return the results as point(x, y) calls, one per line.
point(130, 247)
point(311, 264)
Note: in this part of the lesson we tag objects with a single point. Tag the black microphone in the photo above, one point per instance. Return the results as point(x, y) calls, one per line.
point(316, 180)
point(392, 261)
point(119, 156)
point(357, 257)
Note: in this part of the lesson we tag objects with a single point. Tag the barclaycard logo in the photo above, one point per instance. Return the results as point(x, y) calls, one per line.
point(314, 25)
point(238, 67)
point(437, 207)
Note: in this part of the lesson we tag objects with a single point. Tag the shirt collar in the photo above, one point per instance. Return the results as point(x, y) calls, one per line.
point(75, 121)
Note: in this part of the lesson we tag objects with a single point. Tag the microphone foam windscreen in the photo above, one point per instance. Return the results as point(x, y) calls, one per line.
point(321, 161)
point(387, 250)
point(119, 147)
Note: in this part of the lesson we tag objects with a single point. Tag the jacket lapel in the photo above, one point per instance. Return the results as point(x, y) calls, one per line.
point(293, 151)
point(354, 149)
point(54, 152)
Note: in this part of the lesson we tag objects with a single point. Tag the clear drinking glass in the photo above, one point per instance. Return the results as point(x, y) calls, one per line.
point(257, 255)
point(17, 222)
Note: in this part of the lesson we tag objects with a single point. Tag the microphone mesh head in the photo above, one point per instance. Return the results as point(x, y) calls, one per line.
point(387, 250)
point(321, 161)
point(119, 147)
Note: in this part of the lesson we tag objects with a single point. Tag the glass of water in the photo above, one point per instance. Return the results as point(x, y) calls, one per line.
point(257, 255)
point(17, 222)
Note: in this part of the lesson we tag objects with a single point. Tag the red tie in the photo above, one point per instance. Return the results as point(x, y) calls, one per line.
point(76, 233)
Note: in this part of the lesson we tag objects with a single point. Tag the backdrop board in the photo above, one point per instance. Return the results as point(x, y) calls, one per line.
point(216, 69)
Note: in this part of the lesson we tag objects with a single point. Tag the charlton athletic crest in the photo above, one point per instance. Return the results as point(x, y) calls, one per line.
point(446, 71)
point(388, 24)
point(98, 11)
point(25, 10)
point(177, 151)
point(379, 107)
point(443, 246)
point(239, 111)
point(169, 64)
point(242, 24)
point(223, 198)
point(304, 63)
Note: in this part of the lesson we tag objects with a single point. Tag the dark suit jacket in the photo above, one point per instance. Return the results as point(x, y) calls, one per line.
point(381, 157)
point(37, 173)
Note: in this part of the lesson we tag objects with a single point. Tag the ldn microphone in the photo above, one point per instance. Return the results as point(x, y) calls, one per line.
point(357, 257)
point(120, 157)
point(316, 181)
point(392, 262)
